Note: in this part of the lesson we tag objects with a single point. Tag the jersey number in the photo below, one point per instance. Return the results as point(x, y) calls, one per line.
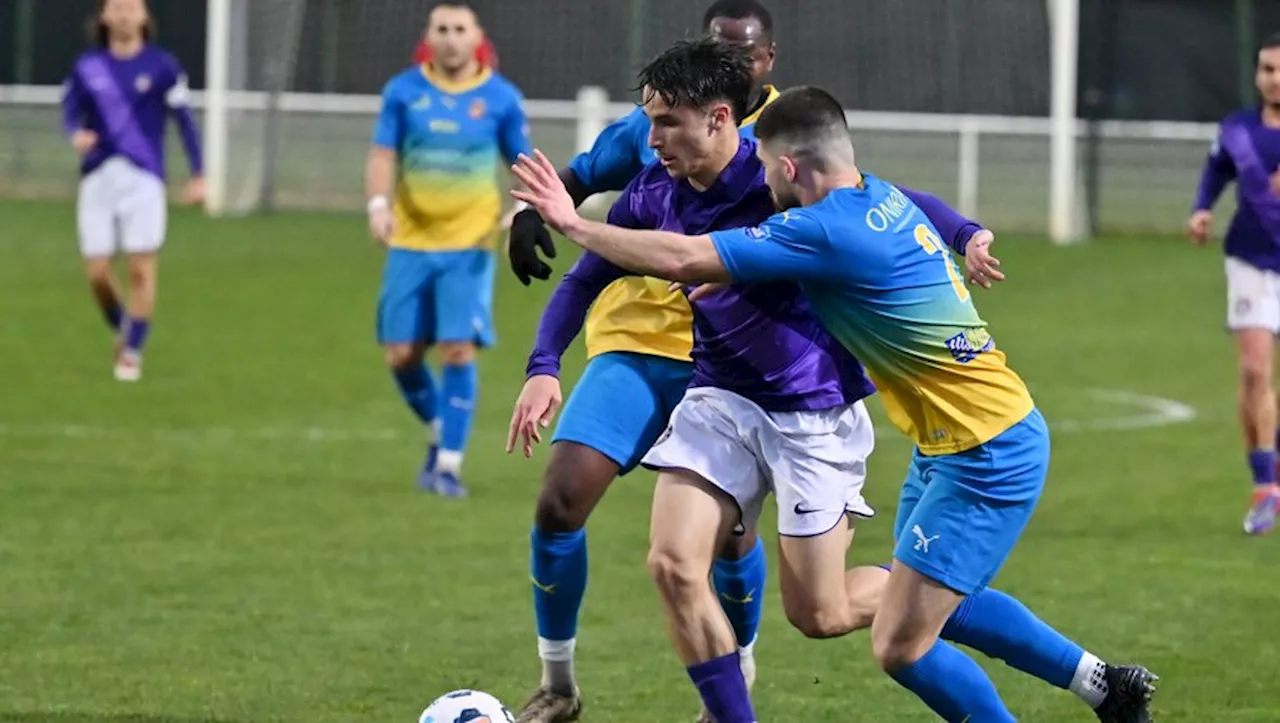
point(930, 242)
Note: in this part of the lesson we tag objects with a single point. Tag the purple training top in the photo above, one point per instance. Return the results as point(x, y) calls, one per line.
point(760, 341)
point(126, 102)
point(1248, 152)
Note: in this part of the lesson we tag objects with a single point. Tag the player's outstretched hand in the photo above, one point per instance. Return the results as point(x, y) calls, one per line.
point(84, 141)
point(980, 266)
point(535, 408)
point(544, 190)
point(528, 235)
point(1198, 227)
point(193, 192)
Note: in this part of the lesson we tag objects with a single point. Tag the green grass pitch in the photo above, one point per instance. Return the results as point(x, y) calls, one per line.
point(237, 538)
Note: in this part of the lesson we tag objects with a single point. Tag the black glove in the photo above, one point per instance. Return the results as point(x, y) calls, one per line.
point(528, 234)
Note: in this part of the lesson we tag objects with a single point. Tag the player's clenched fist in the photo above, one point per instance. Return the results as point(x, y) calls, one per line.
point(528, 234)
point(1198, 227)
point(84, 141)
point(535, 408)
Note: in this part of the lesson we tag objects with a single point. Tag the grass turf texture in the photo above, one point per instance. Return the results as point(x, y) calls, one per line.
point(238, 538)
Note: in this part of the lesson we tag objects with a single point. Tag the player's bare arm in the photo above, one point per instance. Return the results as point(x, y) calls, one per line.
point(379, 180)
point(688, 259)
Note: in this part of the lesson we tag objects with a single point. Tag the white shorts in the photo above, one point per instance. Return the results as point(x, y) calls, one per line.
point(1253, 297)
point(815, 462)
point(120, 202)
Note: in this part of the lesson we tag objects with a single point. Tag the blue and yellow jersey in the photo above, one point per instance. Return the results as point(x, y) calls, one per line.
point(886, 286)
point(448, 138)
point(637, 314)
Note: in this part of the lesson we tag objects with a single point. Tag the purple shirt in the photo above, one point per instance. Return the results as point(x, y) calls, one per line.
point(1248, 152)
point(126, 102)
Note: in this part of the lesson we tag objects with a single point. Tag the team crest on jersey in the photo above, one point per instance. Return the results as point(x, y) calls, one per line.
point(142, 83)
point(476, 111)
point(968, 344)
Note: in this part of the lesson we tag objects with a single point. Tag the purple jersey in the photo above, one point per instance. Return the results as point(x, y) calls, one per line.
point(759, 341)
point(126, 102)
point(1249, 153)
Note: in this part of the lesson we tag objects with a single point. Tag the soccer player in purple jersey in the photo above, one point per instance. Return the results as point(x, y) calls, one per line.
point(774, 406)
point(115, 106)
point(1247, 150)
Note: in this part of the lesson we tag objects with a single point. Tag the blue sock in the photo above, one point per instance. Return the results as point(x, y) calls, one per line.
point(1000, 626)
point(418, 387)
point(1263, 464)
point(739, 586)
point(135, 333)
point(559, 569)
point(723, 689)
point(457, 406)
point(954, 686)
point(113, 314)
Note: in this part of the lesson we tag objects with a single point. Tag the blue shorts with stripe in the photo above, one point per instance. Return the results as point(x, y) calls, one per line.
point(960, 515)
point(622, 404)
point(437, 296)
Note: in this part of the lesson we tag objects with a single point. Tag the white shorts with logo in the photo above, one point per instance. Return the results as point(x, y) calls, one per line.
point(815, 462)
point(121, 207)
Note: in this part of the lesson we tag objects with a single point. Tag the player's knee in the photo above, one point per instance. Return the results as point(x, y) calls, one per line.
point(98, 271)
point(816, 620)
point(560, 508)
point(896, 649)
point(677, 575)
point(1255, 373)
point(401, 356)
point(456, 354)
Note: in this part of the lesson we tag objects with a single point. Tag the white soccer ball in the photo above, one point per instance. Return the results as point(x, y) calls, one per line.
point(466, 706)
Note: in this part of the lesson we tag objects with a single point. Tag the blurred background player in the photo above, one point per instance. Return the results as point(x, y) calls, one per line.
point(115, 106)
point(1248, 150)
point(435, 151)
point(638, 343)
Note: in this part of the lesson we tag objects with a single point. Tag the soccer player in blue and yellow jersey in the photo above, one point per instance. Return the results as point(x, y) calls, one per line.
point(434, 202)
point(1247, 151)
point(881, 279)
point(638, 337)
point(115, 108)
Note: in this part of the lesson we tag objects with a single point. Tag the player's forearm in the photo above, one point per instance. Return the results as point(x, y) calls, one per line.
point(1213, 181)
point(380, 173)
point(566, 311)
point(190, 140)
point(671, 256)
point(955, 229)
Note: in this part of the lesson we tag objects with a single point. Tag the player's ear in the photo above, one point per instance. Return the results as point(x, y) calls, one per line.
point(721, 116)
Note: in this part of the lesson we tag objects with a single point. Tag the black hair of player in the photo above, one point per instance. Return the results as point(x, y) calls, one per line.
point(699, 73)
point(739, 10)
point(1270, 42)
point(801, 114)
point(100, 35)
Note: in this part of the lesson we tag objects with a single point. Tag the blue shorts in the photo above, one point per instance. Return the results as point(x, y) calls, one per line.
point(436, 296)
point(622, 403)
point(961, 514)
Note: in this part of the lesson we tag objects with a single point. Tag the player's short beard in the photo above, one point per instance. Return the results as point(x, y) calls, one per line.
point(784, 200)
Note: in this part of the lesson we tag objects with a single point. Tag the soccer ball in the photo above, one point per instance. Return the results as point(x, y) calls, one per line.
point(466, 706)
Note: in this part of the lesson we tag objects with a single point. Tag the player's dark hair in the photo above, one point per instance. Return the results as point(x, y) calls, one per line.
point(1271, 41)
point(739, 10)
point(803, 120)
point(698, 73)
point(100, 35)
